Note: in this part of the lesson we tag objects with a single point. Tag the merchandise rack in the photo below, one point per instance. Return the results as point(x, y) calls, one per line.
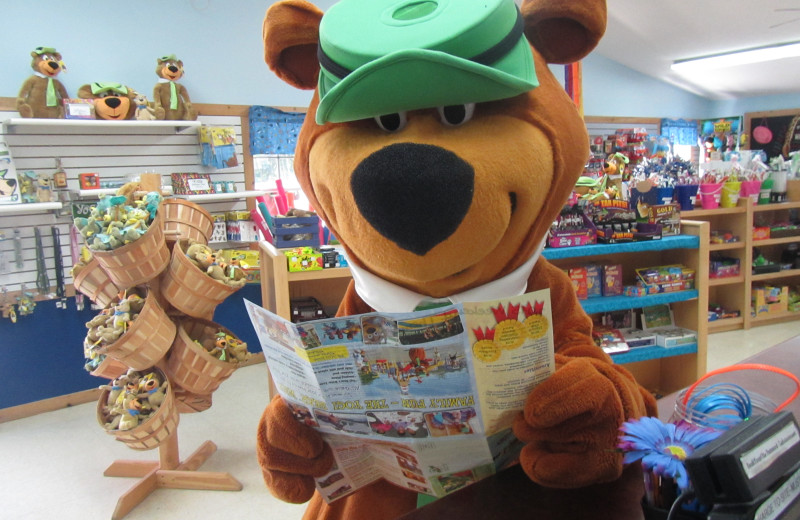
point(736, 292)
point(660, 369)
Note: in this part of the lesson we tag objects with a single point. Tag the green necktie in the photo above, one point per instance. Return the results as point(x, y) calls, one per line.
point(51, 93)
point(173, 96)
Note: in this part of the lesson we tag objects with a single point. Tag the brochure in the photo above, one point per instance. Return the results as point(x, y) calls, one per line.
point(423, 399)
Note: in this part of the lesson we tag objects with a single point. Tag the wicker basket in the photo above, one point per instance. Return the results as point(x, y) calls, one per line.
point(151, 433)
point(184, 219)
point(190, 366)
point(109, 368)
point(189, 289)
point(94, 282)
point(140, 261)
point(147, 339)
point(188, 402)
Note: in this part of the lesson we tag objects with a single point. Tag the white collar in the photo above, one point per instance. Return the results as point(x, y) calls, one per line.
point(41, 75)
point(384, 296)
point(164, 80)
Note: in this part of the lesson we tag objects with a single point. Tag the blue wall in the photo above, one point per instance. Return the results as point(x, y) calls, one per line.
point(220, 45)
point(43, 352)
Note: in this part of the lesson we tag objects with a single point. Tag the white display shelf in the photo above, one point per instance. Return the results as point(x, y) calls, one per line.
point(34, 207)
point(216, 197)
point(10, 125)
point(95, 194)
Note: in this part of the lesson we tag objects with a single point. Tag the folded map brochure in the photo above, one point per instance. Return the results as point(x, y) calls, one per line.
point(423, 399)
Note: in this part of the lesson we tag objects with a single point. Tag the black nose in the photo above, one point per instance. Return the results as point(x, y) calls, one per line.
point(113, 102)
point(415, 195)
point(173, 69)
point(53, 65)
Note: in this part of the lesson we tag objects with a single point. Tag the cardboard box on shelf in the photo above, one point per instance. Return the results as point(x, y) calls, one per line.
point(636, 338)
point(668, 337)
point(770, 300)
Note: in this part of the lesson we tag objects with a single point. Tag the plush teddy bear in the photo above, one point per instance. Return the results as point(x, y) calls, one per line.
point(439, 148)
point(42, 94)
point(171, 99)
point(112, 101)
point(144, 112)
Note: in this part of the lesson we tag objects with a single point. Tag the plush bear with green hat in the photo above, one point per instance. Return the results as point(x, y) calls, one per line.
point(42, 94)
point(171, 99)
point(439, 148)
point(112, 101)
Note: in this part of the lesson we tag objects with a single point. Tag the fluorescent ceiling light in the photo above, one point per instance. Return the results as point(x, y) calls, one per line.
point(732, 59)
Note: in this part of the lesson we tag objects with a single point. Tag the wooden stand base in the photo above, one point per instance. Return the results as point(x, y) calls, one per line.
point(168, 473)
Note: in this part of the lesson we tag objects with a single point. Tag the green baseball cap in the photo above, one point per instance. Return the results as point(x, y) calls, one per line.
point(379, 57)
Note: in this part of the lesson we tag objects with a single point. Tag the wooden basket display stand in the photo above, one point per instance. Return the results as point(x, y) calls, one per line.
point(94, 282)
point(168, 472)
point(188, 402)
point(185, 219)
point(189, 289)
point(140, 261)
point(192, 367)
point(147, 340)
point(109, 368)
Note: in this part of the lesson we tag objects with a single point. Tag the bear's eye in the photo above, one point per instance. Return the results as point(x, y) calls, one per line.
point(456, 115)
point(392, 122)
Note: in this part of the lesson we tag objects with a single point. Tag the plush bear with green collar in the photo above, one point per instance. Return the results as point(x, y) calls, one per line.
point(42, 95)
point(171, 99)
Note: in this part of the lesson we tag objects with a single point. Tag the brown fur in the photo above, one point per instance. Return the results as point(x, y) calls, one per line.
point(534, 145)
point(172, 70)
point(32, 97)
point(111, 107)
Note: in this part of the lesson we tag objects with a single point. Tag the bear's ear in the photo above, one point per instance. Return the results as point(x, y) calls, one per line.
point(85, 92)
point(564, 31)
point(291, 34)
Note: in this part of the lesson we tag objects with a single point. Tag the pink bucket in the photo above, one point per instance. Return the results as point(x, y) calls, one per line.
point(751, 189)
point(710, 194)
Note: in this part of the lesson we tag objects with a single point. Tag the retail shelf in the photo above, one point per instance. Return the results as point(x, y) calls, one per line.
point(216, 197)
point(776, 206)
point(619, 303)
point(725, 324)
point(726, 280)
point(695, 213)
point(13, 124)
point(34, 207)
point(95, 194)
point(673, 242)
point(786, 273)
point(729, 246)
point(778, 316)
point(775, 241)
point(335, 272)
point(647, 353)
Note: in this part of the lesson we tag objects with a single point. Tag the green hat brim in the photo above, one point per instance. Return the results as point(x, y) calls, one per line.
point(418, 78)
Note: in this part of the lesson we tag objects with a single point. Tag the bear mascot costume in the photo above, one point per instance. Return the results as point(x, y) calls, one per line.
point(439, 148)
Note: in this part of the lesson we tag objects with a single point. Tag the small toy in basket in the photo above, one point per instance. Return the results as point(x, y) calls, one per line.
point(135, 331)
point(197, 279)
point(203, 355)
point(139, 409)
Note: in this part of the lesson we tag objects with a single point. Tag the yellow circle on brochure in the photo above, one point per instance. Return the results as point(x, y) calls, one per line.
point(509, 334)
point(536, 326)
point(486, 351)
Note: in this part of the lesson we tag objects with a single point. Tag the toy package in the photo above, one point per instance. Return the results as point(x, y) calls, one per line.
point(9, 184)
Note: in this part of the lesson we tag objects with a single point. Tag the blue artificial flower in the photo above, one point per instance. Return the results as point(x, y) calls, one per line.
point(662, 447)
